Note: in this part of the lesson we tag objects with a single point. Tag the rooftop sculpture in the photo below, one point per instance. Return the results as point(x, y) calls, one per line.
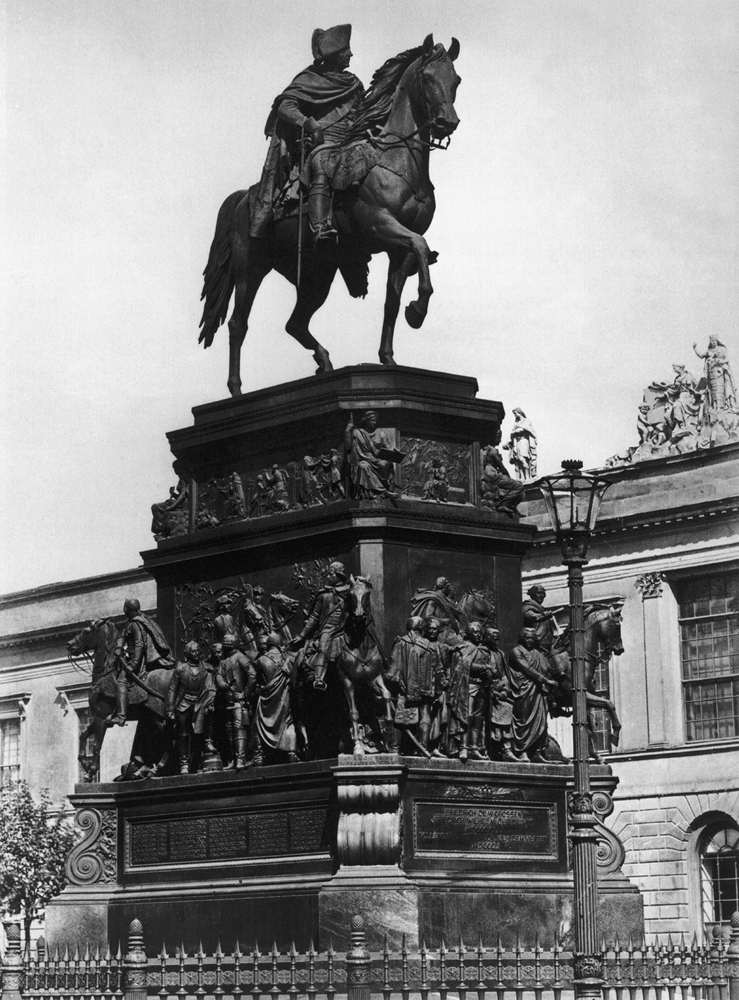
point(689, 413)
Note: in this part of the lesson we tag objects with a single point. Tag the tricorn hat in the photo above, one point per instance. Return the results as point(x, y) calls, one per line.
point(332, 40)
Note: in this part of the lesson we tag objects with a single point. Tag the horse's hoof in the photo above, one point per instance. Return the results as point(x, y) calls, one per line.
point(322, 359)
point(414, 317)
point(388, 361)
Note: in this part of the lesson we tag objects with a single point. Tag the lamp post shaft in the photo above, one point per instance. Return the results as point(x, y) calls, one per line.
point(588, 966)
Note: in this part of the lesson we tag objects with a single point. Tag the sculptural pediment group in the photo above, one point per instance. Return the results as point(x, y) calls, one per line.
point(689, 413)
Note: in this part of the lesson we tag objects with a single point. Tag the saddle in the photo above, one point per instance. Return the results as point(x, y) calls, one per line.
point(106, 688)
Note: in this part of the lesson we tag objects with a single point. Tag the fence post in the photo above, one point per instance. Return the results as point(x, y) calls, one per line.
point(358, 963)
point(11, 969)
point(134, 964)
point(732, 956)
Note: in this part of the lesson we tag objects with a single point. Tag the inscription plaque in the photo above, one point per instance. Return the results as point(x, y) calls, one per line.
point(497, 829)
point(229, 837)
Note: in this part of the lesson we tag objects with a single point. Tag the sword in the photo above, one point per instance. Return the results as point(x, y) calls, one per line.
point(137, 680)
point(300, 208)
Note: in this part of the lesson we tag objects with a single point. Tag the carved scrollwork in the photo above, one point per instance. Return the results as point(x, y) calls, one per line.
point(609, 851)
point(94, 858)
point(602, 804)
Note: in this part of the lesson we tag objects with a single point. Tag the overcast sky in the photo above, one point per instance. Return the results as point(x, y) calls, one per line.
point(586, 229)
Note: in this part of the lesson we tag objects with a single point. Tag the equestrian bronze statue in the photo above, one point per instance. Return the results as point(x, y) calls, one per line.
point(347, 176)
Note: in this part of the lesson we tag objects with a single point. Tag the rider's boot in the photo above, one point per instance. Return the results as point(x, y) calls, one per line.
point(183, 757)
point(319, 207)
point(121, 704)
point(240, 754)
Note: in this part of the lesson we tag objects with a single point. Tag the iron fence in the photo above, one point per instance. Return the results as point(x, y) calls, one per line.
point(665, 969)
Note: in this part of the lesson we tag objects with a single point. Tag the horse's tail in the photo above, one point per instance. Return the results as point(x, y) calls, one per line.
point(218, 280)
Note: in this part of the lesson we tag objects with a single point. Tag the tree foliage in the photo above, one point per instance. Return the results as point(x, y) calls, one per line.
point(33, 846)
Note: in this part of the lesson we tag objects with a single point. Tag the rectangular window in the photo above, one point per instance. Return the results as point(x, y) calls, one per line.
point(10, 751)
point(600, 718)
point(709, 634)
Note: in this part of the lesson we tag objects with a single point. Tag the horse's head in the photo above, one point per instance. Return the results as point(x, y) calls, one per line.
point(85, 641)
point(436, 89)
point(98, 639)
point(605, 623)
point(360, 598)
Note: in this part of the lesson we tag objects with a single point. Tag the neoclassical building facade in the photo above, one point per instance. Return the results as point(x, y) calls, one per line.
point(666, 551)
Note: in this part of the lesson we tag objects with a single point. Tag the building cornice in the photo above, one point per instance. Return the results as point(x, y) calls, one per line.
point(648, 521)
point(52, 591)
point(56, 633)
point(677, 559)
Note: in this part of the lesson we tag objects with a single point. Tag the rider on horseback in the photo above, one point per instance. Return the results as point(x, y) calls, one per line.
point(141, 647)
point(540, 619)
point(318, 104)
point(324, 624)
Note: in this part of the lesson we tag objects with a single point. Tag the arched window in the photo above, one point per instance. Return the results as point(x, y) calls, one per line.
point(719, 861)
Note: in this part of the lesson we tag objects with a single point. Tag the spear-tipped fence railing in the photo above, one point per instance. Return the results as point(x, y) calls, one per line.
point(669, 968)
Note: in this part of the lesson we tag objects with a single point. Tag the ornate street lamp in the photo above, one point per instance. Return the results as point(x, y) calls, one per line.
point(573, 498)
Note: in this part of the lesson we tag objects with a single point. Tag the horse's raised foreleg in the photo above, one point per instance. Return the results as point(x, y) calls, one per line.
point(312, 293)
point(401, 264)
point(249, 275)
point(600, 701)
point(390, 234)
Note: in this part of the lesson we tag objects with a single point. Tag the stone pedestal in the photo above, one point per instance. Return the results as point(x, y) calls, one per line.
point(234, 527)
point(292, 852)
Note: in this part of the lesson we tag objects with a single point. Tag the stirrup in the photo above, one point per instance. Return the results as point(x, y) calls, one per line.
point(323, 230)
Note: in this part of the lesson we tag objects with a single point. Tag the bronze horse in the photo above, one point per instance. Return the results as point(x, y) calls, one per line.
point(407, 110)
point(602, 638)
point(152, 745)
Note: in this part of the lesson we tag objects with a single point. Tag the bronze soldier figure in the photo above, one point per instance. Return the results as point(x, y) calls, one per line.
point(141, 647)
point(190, 698)
point(534, 615)
point(477, 660)
point(237, 679)
point(321, 634)
point(412, 674)
point(318, 105)
point(500, 699)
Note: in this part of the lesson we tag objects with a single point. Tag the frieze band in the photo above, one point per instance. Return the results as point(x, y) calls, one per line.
point(266, 677)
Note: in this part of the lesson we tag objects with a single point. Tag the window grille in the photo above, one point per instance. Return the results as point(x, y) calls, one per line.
point(719, 860)
point(709, 631)
point(10, 751)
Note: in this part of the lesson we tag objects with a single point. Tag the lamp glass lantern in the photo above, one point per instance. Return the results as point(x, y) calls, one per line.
point(572, 499)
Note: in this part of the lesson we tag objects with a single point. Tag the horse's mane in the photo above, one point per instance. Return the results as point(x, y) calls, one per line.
point(374, 108)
